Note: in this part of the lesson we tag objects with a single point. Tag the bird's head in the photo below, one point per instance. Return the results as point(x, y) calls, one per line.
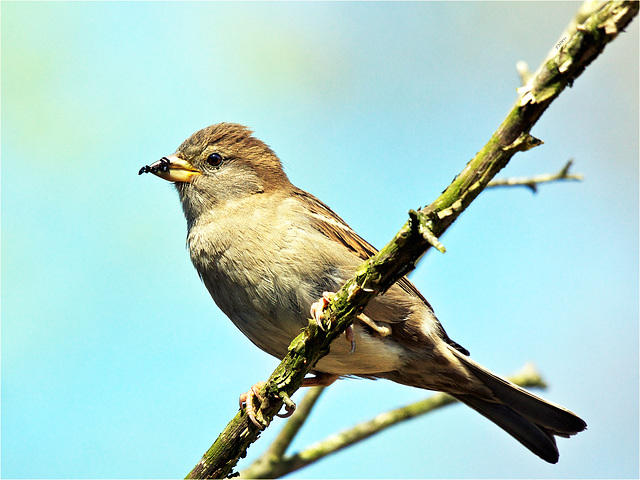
point(218, 164)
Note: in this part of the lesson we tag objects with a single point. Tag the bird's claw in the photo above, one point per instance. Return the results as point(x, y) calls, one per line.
point(317, 313)
point(318, 308)
point(246, 399)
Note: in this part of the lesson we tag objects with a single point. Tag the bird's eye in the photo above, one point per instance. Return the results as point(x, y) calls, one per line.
point(215, 159)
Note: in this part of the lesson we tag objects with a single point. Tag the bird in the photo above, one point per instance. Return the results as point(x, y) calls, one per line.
point(271, 254)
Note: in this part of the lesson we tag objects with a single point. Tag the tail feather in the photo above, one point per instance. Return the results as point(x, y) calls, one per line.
point(531, 420)
point(534, 437)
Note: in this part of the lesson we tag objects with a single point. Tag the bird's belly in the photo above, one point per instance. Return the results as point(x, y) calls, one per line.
point(273, 329)
point(372, 355)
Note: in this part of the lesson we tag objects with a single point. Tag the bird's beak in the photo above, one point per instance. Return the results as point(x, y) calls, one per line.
point(172, 169)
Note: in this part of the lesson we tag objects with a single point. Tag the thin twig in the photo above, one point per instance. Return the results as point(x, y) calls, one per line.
point(533, 182)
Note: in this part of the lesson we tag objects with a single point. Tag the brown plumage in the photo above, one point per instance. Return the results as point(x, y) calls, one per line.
point(267, 250)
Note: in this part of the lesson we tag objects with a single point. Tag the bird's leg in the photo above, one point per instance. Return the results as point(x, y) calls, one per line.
point(320, 380)
point(348, 333)
point(317, 312)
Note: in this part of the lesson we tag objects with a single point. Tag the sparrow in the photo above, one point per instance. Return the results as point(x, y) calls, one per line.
point(270, 253)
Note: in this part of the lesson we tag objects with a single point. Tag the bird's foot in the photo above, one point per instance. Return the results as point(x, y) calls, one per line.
point(317, 313)
point(318, 308)
point(247, 400)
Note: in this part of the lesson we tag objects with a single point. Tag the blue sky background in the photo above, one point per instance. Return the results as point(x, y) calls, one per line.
point(115, 361)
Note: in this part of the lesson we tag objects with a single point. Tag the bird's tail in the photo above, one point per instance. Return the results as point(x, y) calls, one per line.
point(531, 420)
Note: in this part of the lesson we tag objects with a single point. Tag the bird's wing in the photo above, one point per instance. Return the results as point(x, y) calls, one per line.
point(331, 225)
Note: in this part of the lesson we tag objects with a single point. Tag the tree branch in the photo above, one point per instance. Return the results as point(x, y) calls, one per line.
point(533, 182)
point(400, 255)
point(271, 465)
